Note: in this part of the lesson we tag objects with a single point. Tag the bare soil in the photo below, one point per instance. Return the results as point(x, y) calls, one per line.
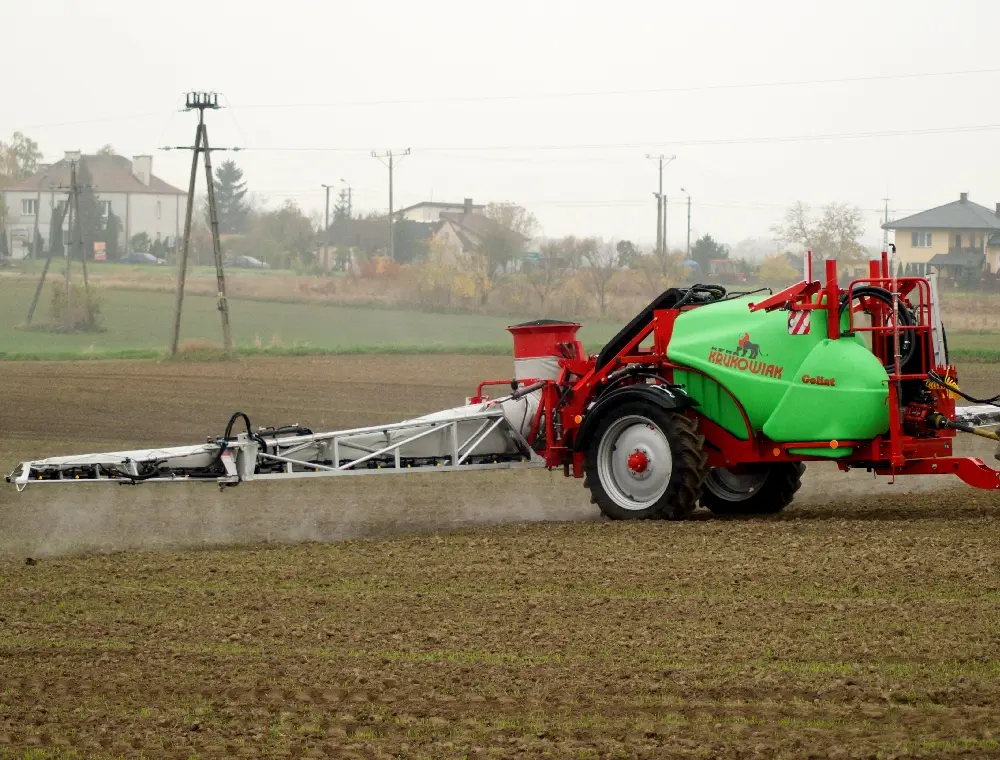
point(861, 622)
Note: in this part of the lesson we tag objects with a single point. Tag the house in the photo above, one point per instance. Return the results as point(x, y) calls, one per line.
point(129, 189)
point(430, 211)
point(957, 239)
point(461, 233)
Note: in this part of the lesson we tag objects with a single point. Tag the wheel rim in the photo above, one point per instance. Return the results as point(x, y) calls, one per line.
point(733, 486)
point(634, 462)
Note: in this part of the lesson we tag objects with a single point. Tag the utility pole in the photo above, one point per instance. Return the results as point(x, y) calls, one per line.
point(689, 221)
point(73, 210)
point(661, 206)
point(326, 229)
point(391, 156)
point(201, 101)
point(885, 220)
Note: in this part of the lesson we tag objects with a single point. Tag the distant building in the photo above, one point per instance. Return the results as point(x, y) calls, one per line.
point(461, 233)
point(129, 189)
point(953, 238)
point(431, 211)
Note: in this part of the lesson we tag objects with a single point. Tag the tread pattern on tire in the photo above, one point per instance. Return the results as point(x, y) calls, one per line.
point(689, 465)
point(778, 491)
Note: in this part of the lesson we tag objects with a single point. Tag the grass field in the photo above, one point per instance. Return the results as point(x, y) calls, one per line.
point(142, 321)
point(859, 623)
point(138, 325)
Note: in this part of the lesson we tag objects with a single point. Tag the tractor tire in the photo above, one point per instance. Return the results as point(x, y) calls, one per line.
point(644, 462)
point(764, 490)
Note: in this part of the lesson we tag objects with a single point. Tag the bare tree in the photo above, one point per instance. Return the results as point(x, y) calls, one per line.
point(500, 243)
point(661, 271)
point(835, 234)
point(603, 261)
point(546, 275)
point(840, 231)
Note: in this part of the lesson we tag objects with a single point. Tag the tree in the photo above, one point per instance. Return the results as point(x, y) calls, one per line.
point(512, 217)
point(107, 150)
point(18, 158)
point(500, 244)
point(342, 210)
point(662, 271)
point(546, 274)
point(776, 270)
point(705, 250)
point(840, 231)
point(231, 204)
point(282, 233)
point(408, 242)
point(140, 243)
point(835, 234)
point(90, 221)
point(112, 231)
point(628, 253)
point(603, 261)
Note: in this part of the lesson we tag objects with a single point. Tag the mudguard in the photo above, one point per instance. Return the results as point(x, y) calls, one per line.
point(671, 398)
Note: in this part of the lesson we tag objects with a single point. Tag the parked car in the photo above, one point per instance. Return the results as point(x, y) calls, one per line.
point(246, 262)
point(136, 257)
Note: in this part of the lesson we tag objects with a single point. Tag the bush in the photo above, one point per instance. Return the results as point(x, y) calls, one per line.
point(81, 314)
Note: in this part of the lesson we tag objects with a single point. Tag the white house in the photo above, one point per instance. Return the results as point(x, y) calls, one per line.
point(431, 211)
point(141, 200)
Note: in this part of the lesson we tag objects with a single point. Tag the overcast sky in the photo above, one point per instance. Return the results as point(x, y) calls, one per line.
point(488, 96)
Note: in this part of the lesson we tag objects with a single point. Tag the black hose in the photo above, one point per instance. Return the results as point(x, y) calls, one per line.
point(224, 443)
point(937, 379)
point(904, 315)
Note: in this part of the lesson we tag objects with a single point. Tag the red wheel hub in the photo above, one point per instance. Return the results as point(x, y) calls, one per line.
point(638, 461)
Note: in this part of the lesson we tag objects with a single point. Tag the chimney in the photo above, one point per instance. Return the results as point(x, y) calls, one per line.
point(468, 205)
point(72, 155)
point(142, 168)
point(998, 209)
point(963, 197)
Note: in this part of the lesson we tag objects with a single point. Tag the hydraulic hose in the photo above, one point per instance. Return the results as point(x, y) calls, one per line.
point(905, 316)
point(224, 443)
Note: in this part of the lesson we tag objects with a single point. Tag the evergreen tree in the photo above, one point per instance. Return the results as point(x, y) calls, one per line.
point(91, 222)
point(112, 230)
point(230, 199)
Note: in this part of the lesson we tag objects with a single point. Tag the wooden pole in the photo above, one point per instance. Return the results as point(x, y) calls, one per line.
point(186, 247)
point(220, 275)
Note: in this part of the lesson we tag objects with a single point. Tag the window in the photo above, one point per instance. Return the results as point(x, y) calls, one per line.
point(972, 240)
point(921, 240)
point(29, 207)
point(105, 208)
point(159, 209)
point(958, 240)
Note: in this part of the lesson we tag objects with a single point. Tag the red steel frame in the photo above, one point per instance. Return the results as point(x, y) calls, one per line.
point(564, 401)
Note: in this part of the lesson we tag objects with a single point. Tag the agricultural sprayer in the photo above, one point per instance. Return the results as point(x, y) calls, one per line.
point(705, 396)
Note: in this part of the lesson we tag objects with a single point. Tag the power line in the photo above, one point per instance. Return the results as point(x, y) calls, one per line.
point(545, 96)
point(604, 93)
point(648, 144)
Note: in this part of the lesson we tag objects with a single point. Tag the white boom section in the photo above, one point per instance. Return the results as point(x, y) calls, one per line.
point(986, 415)
point(482, 436)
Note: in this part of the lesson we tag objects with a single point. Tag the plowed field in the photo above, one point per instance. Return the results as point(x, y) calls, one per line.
point(861, 622)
